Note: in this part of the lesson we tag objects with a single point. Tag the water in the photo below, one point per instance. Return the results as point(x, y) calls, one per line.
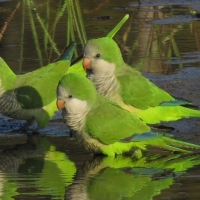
point(161, 39)
point(45, 167)
point(153, 40)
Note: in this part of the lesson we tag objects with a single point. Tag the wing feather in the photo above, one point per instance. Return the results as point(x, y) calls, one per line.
point(38, 88)
point(110, 123)
point(138, 91)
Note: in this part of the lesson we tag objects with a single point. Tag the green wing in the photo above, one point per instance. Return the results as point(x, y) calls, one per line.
point(110, 123)
point(7, 76)
point(138, 91)
point(38, 88)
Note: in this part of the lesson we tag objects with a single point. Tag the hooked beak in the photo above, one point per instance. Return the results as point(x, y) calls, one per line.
point(60, 104)
point(87, 65)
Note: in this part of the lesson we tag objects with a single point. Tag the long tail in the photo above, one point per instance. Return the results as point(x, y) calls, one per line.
point(179, 102)
point(159, 140)
point(173, 145)
point(67, 52)
point(159, 114)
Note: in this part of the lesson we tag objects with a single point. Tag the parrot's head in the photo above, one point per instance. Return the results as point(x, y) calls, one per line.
point(75, 93)
point(101, 57)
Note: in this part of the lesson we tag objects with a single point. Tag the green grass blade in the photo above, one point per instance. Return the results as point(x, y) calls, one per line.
point(22, 36)
point(81, 24)
point(46, 25)
point(35, 36)
point(117, 27)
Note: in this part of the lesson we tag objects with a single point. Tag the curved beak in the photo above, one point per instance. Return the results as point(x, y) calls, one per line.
point(60, 104)
point(87, 64)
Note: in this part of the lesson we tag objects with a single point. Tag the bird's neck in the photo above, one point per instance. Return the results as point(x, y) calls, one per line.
point(106, 83)
point(76, 119)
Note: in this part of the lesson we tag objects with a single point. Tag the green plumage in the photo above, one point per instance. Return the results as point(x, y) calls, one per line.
point(76, 90)
point(129, 88)
point(32, 96)
point(138, 91)
point(77, 67)
point(110, 119)
point(105, 127)
point(37, 89)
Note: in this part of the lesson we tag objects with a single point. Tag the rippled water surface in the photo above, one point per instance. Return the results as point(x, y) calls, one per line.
point(161, 39)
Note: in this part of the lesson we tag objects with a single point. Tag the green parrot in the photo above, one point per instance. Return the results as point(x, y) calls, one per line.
point(102, 125)
point(118, 81)
point(32, 96)
point(76, 64)
point(28, 100)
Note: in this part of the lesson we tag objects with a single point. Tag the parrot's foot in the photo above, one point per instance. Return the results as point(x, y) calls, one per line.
point(71, 134)
point(137, 153)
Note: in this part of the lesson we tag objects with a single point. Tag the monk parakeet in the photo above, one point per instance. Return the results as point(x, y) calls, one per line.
point(118, 81)
point(32, 96)
point(77, 62)
point(102, 125)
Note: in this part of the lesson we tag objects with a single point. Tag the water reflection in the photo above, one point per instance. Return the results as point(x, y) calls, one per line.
point(126, 178)
point(36, 27)
point(166, 30)
point(33, 33)
point(36, 169)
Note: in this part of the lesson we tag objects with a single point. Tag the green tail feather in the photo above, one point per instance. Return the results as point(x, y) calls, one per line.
point(177, 102)
point(159, 114)
point(181, 144)
point(67, 52)
point(155, 140)
point(161, 140)
point(173, 145)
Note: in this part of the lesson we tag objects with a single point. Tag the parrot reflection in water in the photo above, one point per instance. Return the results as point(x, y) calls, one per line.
point(125, 178)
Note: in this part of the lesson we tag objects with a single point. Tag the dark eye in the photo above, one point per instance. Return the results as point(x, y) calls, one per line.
point(70, 96)
point(98, 55)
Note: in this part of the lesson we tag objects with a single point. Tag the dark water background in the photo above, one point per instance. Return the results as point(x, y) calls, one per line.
point(161, 39)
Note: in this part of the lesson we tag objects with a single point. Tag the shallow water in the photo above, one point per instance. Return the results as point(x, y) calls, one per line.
point(47, 167)
point(161, 39)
